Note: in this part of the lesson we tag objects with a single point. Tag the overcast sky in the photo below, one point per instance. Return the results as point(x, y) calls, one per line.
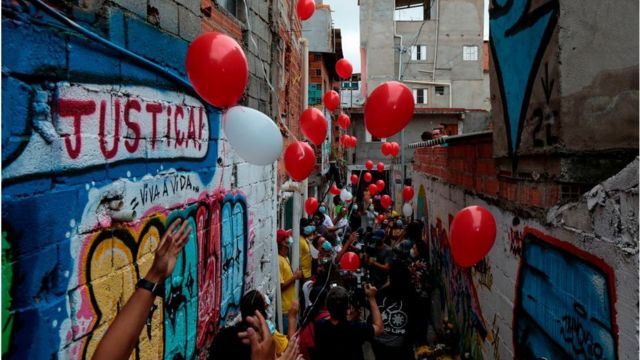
point(346, 17)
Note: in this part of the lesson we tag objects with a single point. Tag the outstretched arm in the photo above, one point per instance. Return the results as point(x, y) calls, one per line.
point(125, 329)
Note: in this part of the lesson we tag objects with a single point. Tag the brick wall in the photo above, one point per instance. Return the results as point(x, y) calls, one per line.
point(100, 154)
point(556, 270)
point(469, 164)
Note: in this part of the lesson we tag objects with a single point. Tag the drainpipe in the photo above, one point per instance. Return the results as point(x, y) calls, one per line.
point(435, 53)
point(274, 248)
point(305, 72)
point(402, 155)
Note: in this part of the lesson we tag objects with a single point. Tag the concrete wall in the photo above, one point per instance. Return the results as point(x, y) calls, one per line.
point(318, 30)
point(86, 132)
point(572, 71)
point(377, 43)
point(460, 24)
point(560, 281)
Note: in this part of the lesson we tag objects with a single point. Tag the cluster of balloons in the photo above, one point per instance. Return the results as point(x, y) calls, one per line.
point(367, 176)
point(473, 233)
point(407, 196)
point(390, 149)
point(348, 141)
point(218, 70)
point(369, 165)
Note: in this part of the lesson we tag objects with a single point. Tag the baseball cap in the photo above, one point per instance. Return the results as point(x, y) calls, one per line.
point(378, 235)
point(283, 235)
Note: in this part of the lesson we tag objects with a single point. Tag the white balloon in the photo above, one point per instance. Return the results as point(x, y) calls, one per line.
point(253, 135)
point(407, 209)
point(345, 195)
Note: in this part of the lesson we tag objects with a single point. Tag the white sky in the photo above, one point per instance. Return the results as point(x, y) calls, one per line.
point(346, 17)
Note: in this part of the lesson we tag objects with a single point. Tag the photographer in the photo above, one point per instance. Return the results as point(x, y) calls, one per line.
point(338, 338)
point(379, 258)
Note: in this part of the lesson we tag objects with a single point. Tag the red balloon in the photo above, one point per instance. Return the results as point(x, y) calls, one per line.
point(354, 179)
point(217, 68)
point(344, 121)
point(334, 190)
point(311, 205)
point(407, 193)
point(473, 232)
point(345, 140)
point(385, 201)
point(299, 160)
point(305, 9)
point(380, 185)
point(331, 100)
point(386, 148)
point(367, 177)
point(344, 68)
point(369, 165)
point(354, 141)
point(388, 109)
point(373, 189)
point(350, 261)
point(395, 149)
point(380, 167)
point(314, 125)
point(380, 218)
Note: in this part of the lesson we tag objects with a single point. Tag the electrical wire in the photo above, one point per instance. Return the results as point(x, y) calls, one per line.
point(180, 80)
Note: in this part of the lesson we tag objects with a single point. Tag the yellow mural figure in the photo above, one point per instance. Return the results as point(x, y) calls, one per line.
point(117, 259)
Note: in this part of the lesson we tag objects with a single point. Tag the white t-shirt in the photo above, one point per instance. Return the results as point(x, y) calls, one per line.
point(327, 221)
point(306, 290)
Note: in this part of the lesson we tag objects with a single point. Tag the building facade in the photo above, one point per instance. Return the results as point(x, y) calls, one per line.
point(436, 49)
point(105, 144)
point(561, 280)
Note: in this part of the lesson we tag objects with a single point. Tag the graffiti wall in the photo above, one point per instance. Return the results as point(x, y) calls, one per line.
point(547, 92)
point(547, 289)
point(100, 155)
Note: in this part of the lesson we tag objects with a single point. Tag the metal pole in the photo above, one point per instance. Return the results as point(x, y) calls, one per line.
point(402, 157)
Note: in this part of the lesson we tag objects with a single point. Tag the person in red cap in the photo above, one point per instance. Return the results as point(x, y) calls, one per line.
point(287, 276)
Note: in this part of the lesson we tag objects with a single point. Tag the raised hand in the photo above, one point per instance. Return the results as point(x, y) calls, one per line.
point(168, 250)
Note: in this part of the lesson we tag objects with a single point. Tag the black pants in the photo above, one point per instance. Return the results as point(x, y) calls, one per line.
point(384, 352)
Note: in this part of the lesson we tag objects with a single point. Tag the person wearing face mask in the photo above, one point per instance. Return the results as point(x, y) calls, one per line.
point(287, 276)
point(371, 216)
point(326, 219)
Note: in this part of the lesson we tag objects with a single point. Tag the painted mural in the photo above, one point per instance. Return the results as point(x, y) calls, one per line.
point(521, 33)
point(94, 172)
point(564, 302)
point(563, 298)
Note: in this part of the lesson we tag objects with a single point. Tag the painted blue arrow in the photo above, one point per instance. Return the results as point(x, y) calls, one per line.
point(519, 37)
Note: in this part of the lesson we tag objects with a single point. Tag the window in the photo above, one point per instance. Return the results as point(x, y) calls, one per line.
point(371, 138)
point(419, 52)
point(420, 96)
point(229, 5)
point(414, 13)
point(315, 94)
point(470, 53)
point(439, 90)
point(318, 72)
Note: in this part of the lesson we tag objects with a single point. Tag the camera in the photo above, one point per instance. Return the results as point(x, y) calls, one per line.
point(354, 283)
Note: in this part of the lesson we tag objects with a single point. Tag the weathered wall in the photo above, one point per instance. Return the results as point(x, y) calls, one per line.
point(564, 77)
point(563, 284)
point(459, 24)
point(86, 131)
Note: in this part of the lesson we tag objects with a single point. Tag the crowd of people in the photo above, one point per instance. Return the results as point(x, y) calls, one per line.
point(380, 306)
